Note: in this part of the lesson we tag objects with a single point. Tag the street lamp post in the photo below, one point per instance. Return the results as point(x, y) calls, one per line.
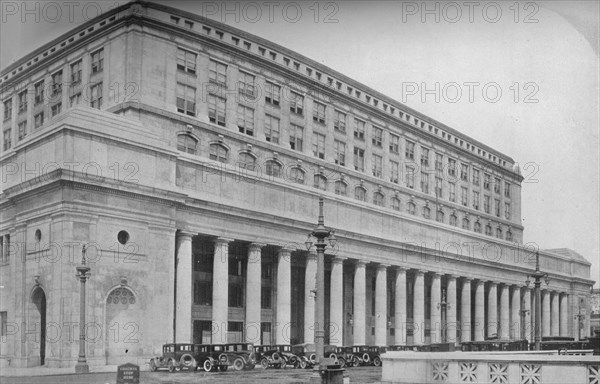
point(320, 233)
point(537, 276)
point(83, 272)
point(579, 317)
point(444, 305)
point(523, 316)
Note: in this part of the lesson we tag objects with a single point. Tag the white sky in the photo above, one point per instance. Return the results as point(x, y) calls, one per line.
point(385, 46)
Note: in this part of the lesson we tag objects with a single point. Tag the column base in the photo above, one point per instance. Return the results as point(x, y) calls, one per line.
point(82, 367)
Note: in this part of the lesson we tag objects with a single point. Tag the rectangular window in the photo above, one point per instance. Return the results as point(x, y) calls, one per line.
point(39, 92)
point(464, 172)
point(452, 192)
point(186, 61)
point(394, 144)
point(507, 211)
point(424, 182)
point(409, 153)
point(7, 109)
point(506, 189)
point(273, 92)
point(245, 120)
point(246, 85)
point(216, 110)
point(486, 204)
point(496, 185)
point(394, 172)
point(497, 207)
point(451, 167)
point(76, 73)
point(438, 187)
point(217, 73)
point(410, 176)
point(297, 103)
point(424, 157)
point(359, 129)
point(377, 136)
point(296, 137)
point(56, 83)
point(3, 324)
point(38, 120)
point(236, 296)
point(75, 99)
point(202, 292)
point(476, 176)
point(318, 145)
point(55, 109)
point(486, 181)
point(266, 301)
point(272, 129)
point(319, 112)
point(377, 166)
point(96, 96)
point(22, 130)
point(340, 152)
point(464, 196)
point(98, 61)
point(439, 165)
point(476, 200)
point(7, 139)
point(22, 101)
point(339, 123)
point(359, 159)
point(186, 99)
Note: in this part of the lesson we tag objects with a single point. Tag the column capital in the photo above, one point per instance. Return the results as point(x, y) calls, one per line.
point(400, 270)
point(467, 279)
point(436, 275)
point(285, 250)
point(420, 272)
point(256, 246)
point(338, 259)
point(383, 266)
point(480, 282)
point(516, 286)
point(452, 276)
point(360, 263)
point(182, 234)
point(222, 241)
point(493, 282)
point(311, 256)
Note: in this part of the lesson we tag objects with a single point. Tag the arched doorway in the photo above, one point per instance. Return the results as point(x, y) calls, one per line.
point(122, 327)
point(38, 298)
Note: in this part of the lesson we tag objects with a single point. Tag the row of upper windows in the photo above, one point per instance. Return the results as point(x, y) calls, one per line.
point(274, 168)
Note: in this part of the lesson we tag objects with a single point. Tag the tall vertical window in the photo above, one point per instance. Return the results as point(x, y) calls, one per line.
point(38, 120)
point(394, 144)
point(55, 109)
point(39, 92)
point(186, 99)
point(360, 193)
point(476, 200)
point(439, 187)
point(319, 112)
point(98, 61)
point(506, 189)
point(22, 97)
point(377, 136)
point(21, 130)
point(464, 172)
point(217, 73)
point(394, 172)
point(439, 216)
point(320, 182)
point(426, 212)
point(247, 161)
point(297, 175)
point(412, 208)
point(424, 157)
point(318, 145)
point(451, 167)
point(395, 203)
point(497, 185)
point(7, 109)
point(452, 192)
point(273, 168)
point(341, 188)
point(439, 166)
point(486, 204)
point(75, 99)
point(359, 129)
point(477, 227)
point(96, 96)
point(464, 196)
point(410, 176)
point(340, 152)
point(296, 137)
point(76, 73)
point(246, 85)
point(57, 82)
point(465, 223)
point(7, 134)
point(186, 143)
point(486, 181)
point(377, 166)
point(507, 211)
point(476, 176)
point(216, 110)
point(186, 61)
point(378, 199)
point(272, 93)
point(453, 220)
point(359, 159)
point(218, 153)
point(272, 129)
point(488, 230)
point(497, 207)
point(409, 153)
point(296, 103)
point(245, 120)
point(424, 182)
point(339, 123)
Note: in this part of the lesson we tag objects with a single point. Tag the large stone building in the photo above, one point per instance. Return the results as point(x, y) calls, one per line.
point(189, 156)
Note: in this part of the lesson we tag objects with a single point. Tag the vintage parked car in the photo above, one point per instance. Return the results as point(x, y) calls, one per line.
point(285, 351)
point(368, 355)
point(207, 357)
point(268, 356)
point(345, 357)
point(307, 356)
point(175, 357)
point(239, 356)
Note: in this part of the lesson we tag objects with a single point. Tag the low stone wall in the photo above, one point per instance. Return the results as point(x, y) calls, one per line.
point(530, 367)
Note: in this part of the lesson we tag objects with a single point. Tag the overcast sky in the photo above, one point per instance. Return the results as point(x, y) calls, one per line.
point(542, 56)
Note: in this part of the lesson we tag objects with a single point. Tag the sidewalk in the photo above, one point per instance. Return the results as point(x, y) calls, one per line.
point(45, 371)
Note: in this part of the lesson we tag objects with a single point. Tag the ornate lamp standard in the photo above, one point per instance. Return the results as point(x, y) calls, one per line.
point(444, 305)
point(537, 276)
point(579, 317)
point(320, 233)
point(83, 272)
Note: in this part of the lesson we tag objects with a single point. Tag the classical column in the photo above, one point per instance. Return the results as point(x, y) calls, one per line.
point(479, 324)
point(360, 296)
point(465, 311)
point(527, 316)
point(183, 311)
point(451, 310)
point(419, 308)
point(515, 323)
point(336, 302)
point(545, 313)
point(220, 300)
point(554, 323)
point(284, 295)
point(492, 319)
point(310, 286)
point(504, 312)
point(381, 305)
point(564, 315)
point(435, 320)
point(400, 307)
point(252, 332)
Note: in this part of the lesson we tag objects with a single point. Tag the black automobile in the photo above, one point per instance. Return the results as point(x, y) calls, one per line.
point(240, 356)
point(368, 355)
point(307, 355)
point(175, 357)
point(268, 356)
point(345, 357)
point(207, 357)
point(290, 359)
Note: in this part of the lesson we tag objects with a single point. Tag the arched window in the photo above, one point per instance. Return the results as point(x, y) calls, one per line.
point(186, 143)
point(297, 175)
point(499, 232)
point(273, 168)
point(488, 230)
point(360, 193)
point(395, 203)
point(412, 208)
point(453, 220)
point(465, 223)
point(378, 199)
point(219, 152)
point(426, 212)
point(341, 188)
point(439, 216)
point(247, 161)
point(121, 296)
point(320, 182)
point(509, 235)
point(477, 227)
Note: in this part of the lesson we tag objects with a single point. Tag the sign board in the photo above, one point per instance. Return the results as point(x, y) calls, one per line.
point(128, 374)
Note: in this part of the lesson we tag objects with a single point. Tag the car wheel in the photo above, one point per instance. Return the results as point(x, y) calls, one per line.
point(366, 358)
point(313, 358)
point(207, 365)
point(153, 366)
point(238, 364)
point(377, 361)
point(332, 356)
point(171, 366)
point(303, 364)
point(264, 363)
point(342, 362)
